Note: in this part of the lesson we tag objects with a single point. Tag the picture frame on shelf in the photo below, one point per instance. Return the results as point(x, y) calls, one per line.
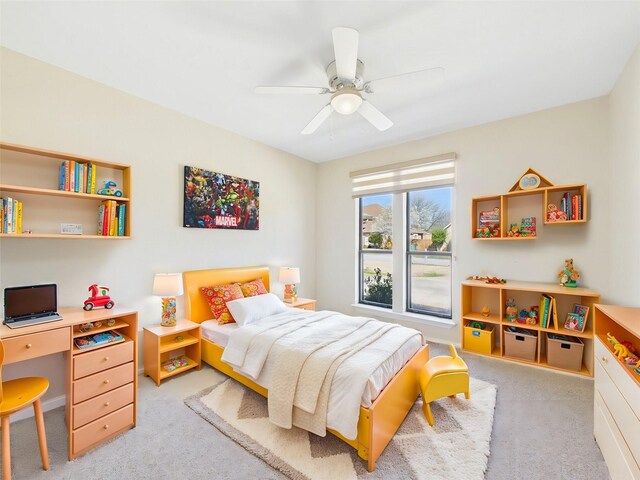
point(581, 310)
point(574, 322)
point(529, 181)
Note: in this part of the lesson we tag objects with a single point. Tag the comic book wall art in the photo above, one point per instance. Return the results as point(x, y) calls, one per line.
point(215, 200)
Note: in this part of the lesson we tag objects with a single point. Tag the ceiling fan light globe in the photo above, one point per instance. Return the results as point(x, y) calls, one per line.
point(346, 103)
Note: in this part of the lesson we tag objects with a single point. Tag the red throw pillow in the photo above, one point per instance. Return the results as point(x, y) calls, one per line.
point(217, 298)
point(253, 288)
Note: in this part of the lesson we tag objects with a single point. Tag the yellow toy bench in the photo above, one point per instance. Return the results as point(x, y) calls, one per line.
point(443, 377)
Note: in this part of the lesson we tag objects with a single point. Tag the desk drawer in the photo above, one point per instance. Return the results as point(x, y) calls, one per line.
point(35, 345)
point(102, 382)
point(101, 429)
point(101, 359)
point(102, 405)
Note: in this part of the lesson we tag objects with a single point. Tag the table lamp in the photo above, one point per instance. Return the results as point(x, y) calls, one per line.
point(290, 276)
point(168, 286)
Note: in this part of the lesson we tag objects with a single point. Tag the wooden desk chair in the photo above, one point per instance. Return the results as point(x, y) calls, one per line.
point(443, 377)
point(16, 395)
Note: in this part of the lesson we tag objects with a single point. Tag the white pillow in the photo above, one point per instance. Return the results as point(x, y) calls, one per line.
point(248, 310)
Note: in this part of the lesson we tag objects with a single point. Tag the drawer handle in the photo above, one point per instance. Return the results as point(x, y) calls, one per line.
point(605, 360)
point(106, 427)
point(106, 359)
point(29, 345)
point(106, 404)
point(106, 382)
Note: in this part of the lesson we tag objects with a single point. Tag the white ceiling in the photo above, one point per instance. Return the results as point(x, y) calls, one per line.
point(203, 59)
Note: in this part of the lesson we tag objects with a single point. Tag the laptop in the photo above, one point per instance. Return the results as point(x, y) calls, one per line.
point(30, 305)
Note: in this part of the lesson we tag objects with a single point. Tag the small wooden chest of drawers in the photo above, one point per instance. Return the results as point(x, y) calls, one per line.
point(616, 423)
point(103, 392)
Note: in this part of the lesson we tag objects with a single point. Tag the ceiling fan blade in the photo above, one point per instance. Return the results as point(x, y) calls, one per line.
point(345, 48)
point(291, 89)
point(317, 120)
point(397, 81)
point(374, 116)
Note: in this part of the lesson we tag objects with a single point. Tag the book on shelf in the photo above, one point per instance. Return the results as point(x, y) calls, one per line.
point(104, 338)
point(111, 218)
point(121, 219)
point(92, 188)
point(554, 313)
point(10, 215)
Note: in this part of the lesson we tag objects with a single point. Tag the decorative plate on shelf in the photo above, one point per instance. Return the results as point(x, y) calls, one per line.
point(529, 181)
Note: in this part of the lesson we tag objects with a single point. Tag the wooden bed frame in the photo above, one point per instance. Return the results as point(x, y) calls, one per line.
point(376, 425)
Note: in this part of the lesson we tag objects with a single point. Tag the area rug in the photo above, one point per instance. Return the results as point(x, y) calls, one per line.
point(457, 447)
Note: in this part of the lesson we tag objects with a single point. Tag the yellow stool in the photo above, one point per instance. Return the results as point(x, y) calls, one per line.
point(443, 377)
point(16, 395)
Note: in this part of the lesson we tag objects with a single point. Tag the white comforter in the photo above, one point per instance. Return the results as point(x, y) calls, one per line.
point(297, 353)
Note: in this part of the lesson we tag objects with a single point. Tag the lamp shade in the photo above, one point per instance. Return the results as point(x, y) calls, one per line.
point(167, 284)
point(289, 275)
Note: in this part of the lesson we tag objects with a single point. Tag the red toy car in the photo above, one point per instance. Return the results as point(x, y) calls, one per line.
point(99, 298)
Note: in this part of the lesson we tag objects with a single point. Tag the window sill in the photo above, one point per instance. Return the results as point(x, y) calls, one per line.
point(406, 316)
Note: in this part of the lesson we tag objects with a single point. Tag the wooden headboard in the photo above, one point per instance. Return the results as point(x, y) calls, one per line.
point(196, 307)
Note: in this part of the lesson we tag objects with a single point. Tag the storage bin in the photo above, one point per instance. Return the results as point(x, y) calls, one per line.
point(565, 352)
point(520, 345)
point(477, 340)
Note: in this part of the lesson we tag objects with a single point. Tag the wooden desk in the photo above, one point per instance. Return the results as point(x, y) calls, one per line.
point(102, 384)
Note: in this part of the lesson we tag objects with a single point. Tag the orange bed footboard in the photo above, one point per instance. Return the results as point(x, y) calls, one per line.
point(377, 424)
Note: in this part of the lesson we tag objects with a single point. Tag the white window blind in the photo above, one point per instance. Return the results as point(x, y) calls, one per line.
point(401, 177)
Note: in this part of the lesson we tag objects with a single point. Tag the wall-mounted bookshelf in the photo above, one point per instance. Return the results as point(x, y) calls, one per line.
point(31, 176)
point(509, 207)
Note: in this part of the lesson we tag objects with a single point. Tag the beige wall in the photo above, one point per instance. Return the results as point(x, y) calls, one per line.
point(47, 107)
point(624, 113)
point(569, 144)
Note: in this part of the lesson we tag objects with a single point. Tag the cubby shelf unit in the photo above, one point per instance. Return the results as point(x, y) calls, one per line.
point(547, 194)
point(476, 295)
point(30, 173)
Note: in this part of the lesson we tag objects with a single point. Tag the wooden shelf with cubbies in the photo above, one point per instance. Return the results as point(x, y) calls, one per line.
point(477, 295)
point(517, 204)
point(31, 175)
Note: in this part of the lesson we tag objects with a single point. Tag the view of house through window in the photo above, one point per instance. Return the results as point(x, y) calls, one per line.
point(429, 251)
point(376, 259)
point(428, 240)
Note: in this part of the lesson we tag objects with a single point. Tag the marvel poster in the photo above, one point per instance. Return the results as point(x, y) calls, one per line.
point(215, 200)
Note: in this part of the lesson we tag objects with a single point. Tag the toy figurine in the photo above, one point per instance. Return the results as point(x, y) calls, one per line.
point(568, 275)
point(478, 325)
point(523, 316)
point(511, 310)
point(533, 315)
point(485, 311)
point(111, 322)
point(630, 347)
point(86, 327)
point(619, 350)
point(514, 230)
point(99, 298)
point(110, 189)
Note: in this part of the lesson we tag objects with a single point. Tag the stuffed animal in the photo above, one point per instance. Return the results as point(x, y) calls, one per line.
point(568, 275)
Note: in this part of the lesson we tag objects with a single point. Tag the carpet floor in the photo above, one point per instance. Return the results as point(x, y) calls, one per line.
point(543, 429)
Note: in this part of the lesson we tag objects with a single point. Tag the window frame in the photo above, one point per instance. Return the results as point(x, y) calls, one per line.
point(409, 254)
point(402, 279)
point(361, 253)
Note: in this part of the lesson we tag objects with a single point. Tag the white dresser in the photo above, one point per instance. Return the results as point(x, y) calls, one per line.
point(616, 424)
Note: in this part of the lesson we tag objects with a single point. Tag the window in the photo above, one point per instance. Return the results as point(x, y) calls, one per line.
point(376, 258)
point(406, 237)
point(429, 239)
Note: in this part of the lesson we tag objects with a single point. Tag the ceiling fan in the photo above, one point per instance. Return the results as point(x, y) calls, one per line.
point(346, 84)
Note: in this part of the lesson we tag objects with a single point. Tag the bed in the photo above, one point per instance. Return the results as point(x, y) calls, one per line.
point(376, 424)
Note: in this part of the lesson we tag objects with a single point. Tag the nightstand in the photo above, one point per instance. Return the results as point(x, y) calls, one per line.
point(164, 343)
point(304, 303)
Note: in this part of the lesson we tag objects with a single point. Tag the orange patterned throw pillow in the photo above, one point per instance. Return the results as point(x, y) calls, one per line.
point(217, 298)
point(253, 288)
